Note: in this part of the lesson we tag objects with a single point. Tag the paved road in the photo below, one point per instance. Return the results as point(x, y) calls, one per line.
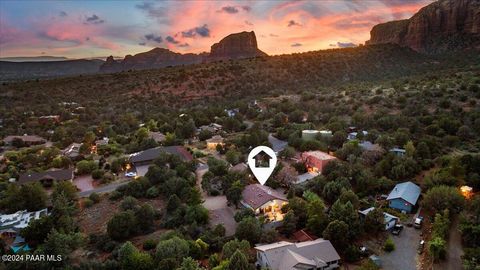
point(404, 257)
point(454, 250)
point(103, 189)
point(277, 145)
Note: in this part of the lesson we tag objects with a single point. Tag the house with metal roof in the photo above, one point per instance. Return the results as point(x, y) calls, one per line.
point(13, 223)
point(404, 196)
point(316, 254)
point(398, 151)
point(388, 220)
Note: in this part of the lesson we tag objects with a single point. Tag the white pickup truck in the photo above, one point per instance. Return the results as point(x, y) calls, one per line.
point(418, 222)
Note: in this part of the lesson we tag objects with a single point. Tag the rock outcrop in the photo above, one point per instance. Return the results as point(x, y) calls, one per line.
point(156, 58)
point(445, 25)
point(234, 46)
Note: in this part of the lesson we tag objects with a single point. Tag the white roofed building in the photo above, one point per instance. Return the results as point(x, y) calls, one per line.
point(316, 254)
point(13, 223)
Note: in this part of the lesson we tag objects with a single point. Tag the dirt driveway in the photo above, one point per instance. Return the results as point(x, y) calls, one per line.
point(219, 211)
point(454, 250)
point(404, 257)
point(84, 182)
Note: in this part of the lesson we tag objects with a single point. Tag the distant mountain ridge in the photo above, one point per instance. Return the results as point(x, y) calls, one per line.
point(234, 46)
point(442, 26)
point(33, 58)
point(29, 70)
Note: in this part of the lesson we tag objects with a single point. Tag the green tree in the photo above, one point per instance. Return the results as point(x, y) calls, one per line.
point(437, 248)
point(374, 221)
point(67, 188)
point(141, 134)
point(350, 196)
point(37, 230)
point(189, 264)
point(232, 156)
point(196, 213)
point(89, 138)
point(129, 203)
point(173, 203)
point(62, 244)
point(389, 245)
point(234, 193)
point(174, 248)
point(317, 220)
point(231, 246)
point(62, 214)
point(86, 166)
point(122, 225)
point(131, 258)
point(348, 214)
point(238, 261)
point(249, 229)
point(289, 223)
point(145, 216)
point(442, 197)
point(422, 151)
point(298, 206)
point(410, 149)
point(32, 197)
point(337, 233)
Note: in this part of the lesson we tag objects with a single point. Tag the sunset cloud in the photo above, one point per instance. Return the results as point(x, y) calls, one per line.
point(94, 19)
point(201, 31)
point(153, 37)
point(125, 27)
point(293, 23)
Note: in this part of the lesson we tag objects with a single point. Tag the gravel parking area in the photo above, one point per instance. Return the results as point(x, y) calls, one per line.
point(224, 216)
point(404, 257)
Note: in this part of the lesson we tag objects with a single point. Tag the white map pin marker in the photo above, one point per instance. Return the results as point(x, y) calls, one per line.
point(262, 173)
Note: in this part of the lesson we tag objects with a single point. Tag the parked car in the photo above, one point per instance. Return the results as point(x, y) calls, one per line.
point(421, 245)
point(418, 222)
point(364, 251)
point(397, 229)
point(130, 174)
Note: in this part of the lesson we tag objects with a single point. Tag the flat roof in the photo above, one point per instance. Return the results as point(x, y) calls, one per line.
point(319, 155)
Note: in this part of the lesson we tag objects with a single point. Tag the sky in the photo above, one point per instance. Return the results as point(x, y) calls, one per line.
point(88, 29)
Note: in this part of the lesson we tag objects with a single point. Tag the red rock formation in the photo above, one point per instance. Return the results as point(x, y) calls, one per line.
point(155, 58)
point(441, 26)
point(235, 46)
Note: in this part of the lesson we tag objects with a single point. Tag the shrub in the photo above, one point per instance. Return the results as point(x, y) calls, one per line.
point(437, 248)
point(98, 174)
point(129, 203)
point(122, 225)
point(107, 177)
point(115, 195)
point(94, 197)
point(87, 202)
point(86, 166)
point(149, 244)
point(389, 245)
point(152, 192)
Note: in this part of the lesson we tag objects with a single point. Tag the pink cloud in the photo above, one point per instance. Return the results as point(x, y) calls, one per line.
point(318, 24)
